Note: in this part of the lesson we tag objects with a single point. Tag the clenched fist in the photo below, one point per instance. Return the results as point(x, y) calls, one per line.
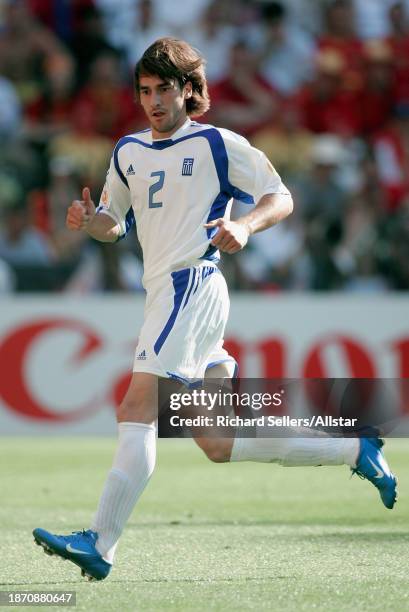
point(81, 212)
point(231, 236)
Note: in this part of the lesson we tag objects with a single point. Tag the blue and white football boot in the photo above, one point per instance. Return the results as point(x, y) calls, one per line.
point(371, 464)
point(79, 547)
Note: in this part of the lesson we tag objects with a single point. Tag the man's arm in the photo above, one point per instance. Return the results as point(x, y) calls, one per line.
point(81, 216)
point(232, 236)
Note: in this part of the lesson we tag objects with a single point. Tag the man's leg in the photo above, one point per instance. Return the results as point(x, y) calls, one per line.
point(363, 456)
point(293, 451)
point(134, 461)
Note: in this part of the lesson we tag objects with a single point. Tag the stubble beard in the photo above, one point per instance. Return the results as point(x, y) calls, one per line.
point(170, 124)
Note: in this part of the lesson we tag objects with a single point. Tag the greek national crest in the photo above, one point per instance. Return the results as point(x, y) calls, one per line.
point(187, 167)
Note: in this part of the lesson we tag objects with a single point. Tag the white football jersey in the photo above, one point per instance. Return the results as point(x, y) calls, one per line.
point(170, 188)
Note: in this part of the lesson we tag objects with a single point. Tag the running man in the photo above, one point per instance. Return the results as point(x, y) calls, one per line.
point(177, 179)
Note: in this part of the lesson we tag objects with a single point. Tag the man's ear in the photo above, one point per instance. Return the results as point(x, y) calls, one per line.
point(188, 91)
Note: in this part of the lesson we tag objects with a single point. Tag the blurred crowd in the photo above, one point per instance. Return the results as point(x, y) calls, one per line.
point(321, 87)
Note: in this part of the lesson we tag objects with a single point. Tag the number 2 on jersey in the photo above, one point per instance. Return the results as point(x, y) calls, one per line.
point(155, 188)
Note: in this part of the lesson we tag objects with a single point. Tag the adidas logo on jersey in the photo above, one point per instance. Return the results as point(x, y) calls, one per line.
point(130, 170)
point(141, 356)
point(187, 167)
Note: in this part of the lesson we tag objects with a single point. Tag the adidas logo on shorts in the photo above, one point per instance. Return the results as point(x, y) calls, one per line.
point(130, 170)
point(142, 356)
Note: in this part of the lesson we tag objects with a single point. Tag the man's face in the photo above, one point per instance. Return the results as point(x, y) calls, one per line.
point(164, 103)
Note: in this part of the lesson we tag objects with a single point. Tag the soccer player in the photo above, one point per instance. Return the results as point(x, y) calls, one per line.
point(176, 180)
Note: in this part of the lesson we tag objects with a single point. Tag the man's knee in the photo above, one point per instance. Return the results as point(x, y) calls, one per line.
point(140, 404)
point(135, 411)
point(217, 450)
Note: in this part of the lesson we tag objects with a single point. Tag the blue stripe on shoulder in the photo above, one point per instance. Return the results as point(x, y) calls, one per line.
point(118, 146)
point(221, 161)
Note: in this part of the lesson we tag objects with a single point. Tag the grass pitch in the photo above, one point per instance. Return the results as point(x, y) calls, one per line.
point(209, 537)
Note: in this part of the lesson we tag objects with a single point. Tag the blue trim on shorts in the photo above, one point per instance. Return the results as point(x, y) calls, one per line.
point(200, 381)
point(215, 363)
point(180, 284)
point(185, 381)
point(199, 272)
point(194, 272)
point(201, 275)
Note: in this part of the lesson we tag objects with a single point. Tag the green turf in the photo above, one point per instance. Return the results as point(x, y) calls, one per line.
point(209, 537)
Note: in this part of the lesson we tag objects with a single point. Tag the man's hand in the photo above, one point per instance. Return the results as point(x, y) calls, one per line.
point(231, 236)
point(81, 212)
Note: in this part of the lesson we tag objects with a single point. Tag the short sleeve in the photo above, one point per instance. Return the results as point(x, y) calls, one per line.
point(250, 172)
point(115, 199)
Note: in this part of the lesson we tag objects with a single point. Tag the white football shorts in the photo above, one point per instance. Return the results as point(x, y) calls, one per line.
point(184, 321)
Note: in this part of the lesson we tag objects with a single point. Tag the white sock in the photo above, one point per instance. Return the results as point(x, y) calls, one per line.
point(297, 451)
point(133, 465)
